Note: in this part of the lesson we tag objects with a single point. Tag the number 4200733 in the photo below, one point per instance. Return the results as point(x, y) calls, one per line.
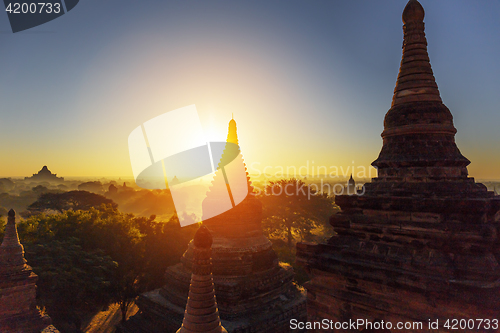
point(471, 324)
point(33, 8)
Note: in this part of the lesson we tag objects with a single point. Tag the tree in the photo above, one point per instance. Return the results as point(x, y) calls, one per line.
point(290, 207)
point(95, 186)
point(3, 211)
point(70, 279)
point(140, 248)
point(165, 242)
point(20, 202)
point(6, 185)
point(104, 230)
point(73, 200)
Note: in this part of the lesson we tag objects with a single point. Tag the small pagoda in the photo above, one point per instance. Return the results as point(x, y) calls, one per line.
point(18, 311)
point(422, 244)
point(202, 315)
point(44, 175)
point(254, 293)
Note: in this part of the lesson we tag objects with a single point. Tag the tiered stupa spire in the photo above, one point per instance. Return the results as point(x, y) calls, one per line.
point(18, 312)
point(202, 315)
point(419, 136)
point(416, 82)
point(11, 251)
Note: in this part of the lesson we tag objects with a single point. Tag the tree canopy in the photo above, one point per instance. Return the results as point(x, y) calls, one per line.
point(72, 200)
point(294, 209)
point(102, 256)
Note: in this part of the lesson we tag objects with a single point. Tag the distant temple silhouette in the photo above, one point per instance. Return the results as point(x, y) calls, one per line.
point(254, 293)
point(45, 175)
point(422, 243)
point(351, 186)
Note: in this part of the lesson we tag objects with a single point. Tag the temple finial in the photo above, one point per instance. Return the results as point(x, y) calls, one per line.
point(413, 12)
point(12, 213)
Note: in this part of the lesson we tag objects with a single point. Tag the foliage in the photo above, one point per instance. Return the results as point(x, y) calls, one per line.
point(3, 212)
point(143, 202)
point(20, 202)
point(2, 226)
point(74, 200)
point(69, 276)
point(6, 184)
point(294, 210)
point(94, 186)
point(164, 242)
point(139, 249)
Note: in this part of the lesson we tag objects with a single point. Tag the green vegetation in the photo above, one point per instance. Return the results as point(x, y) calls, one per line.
point(20, 194)
point(74, 200)
point(293, 210)
point(88, 254)
point(86, 260)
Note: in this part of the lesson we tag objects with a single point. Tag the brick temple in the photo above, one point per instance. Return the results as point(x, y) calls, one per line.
point(254, 293)
point(18, 311)
point(422, 242)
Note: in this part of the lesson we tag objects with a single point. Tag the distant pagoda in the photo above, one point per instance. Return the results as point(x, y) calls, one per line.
point(422, 243)
point(18, 312)
point(44, 175)
point(254, 293)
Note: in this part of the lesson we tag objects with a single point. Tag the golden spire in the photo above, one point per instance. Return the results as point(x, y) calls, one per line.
point(232, 136)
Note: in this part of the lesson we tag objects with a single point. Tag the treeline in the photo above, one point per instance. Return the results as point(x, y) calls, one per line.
point(88, 254)
point(88, 259)
point(20, 194)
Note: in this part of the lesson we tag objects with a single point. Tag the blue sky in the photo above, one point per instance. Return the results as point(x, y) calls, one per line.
point(306, 80)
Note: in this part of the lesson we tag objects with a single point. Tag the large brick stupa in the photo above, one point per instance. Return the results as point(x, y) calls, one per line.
point(422, 243)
